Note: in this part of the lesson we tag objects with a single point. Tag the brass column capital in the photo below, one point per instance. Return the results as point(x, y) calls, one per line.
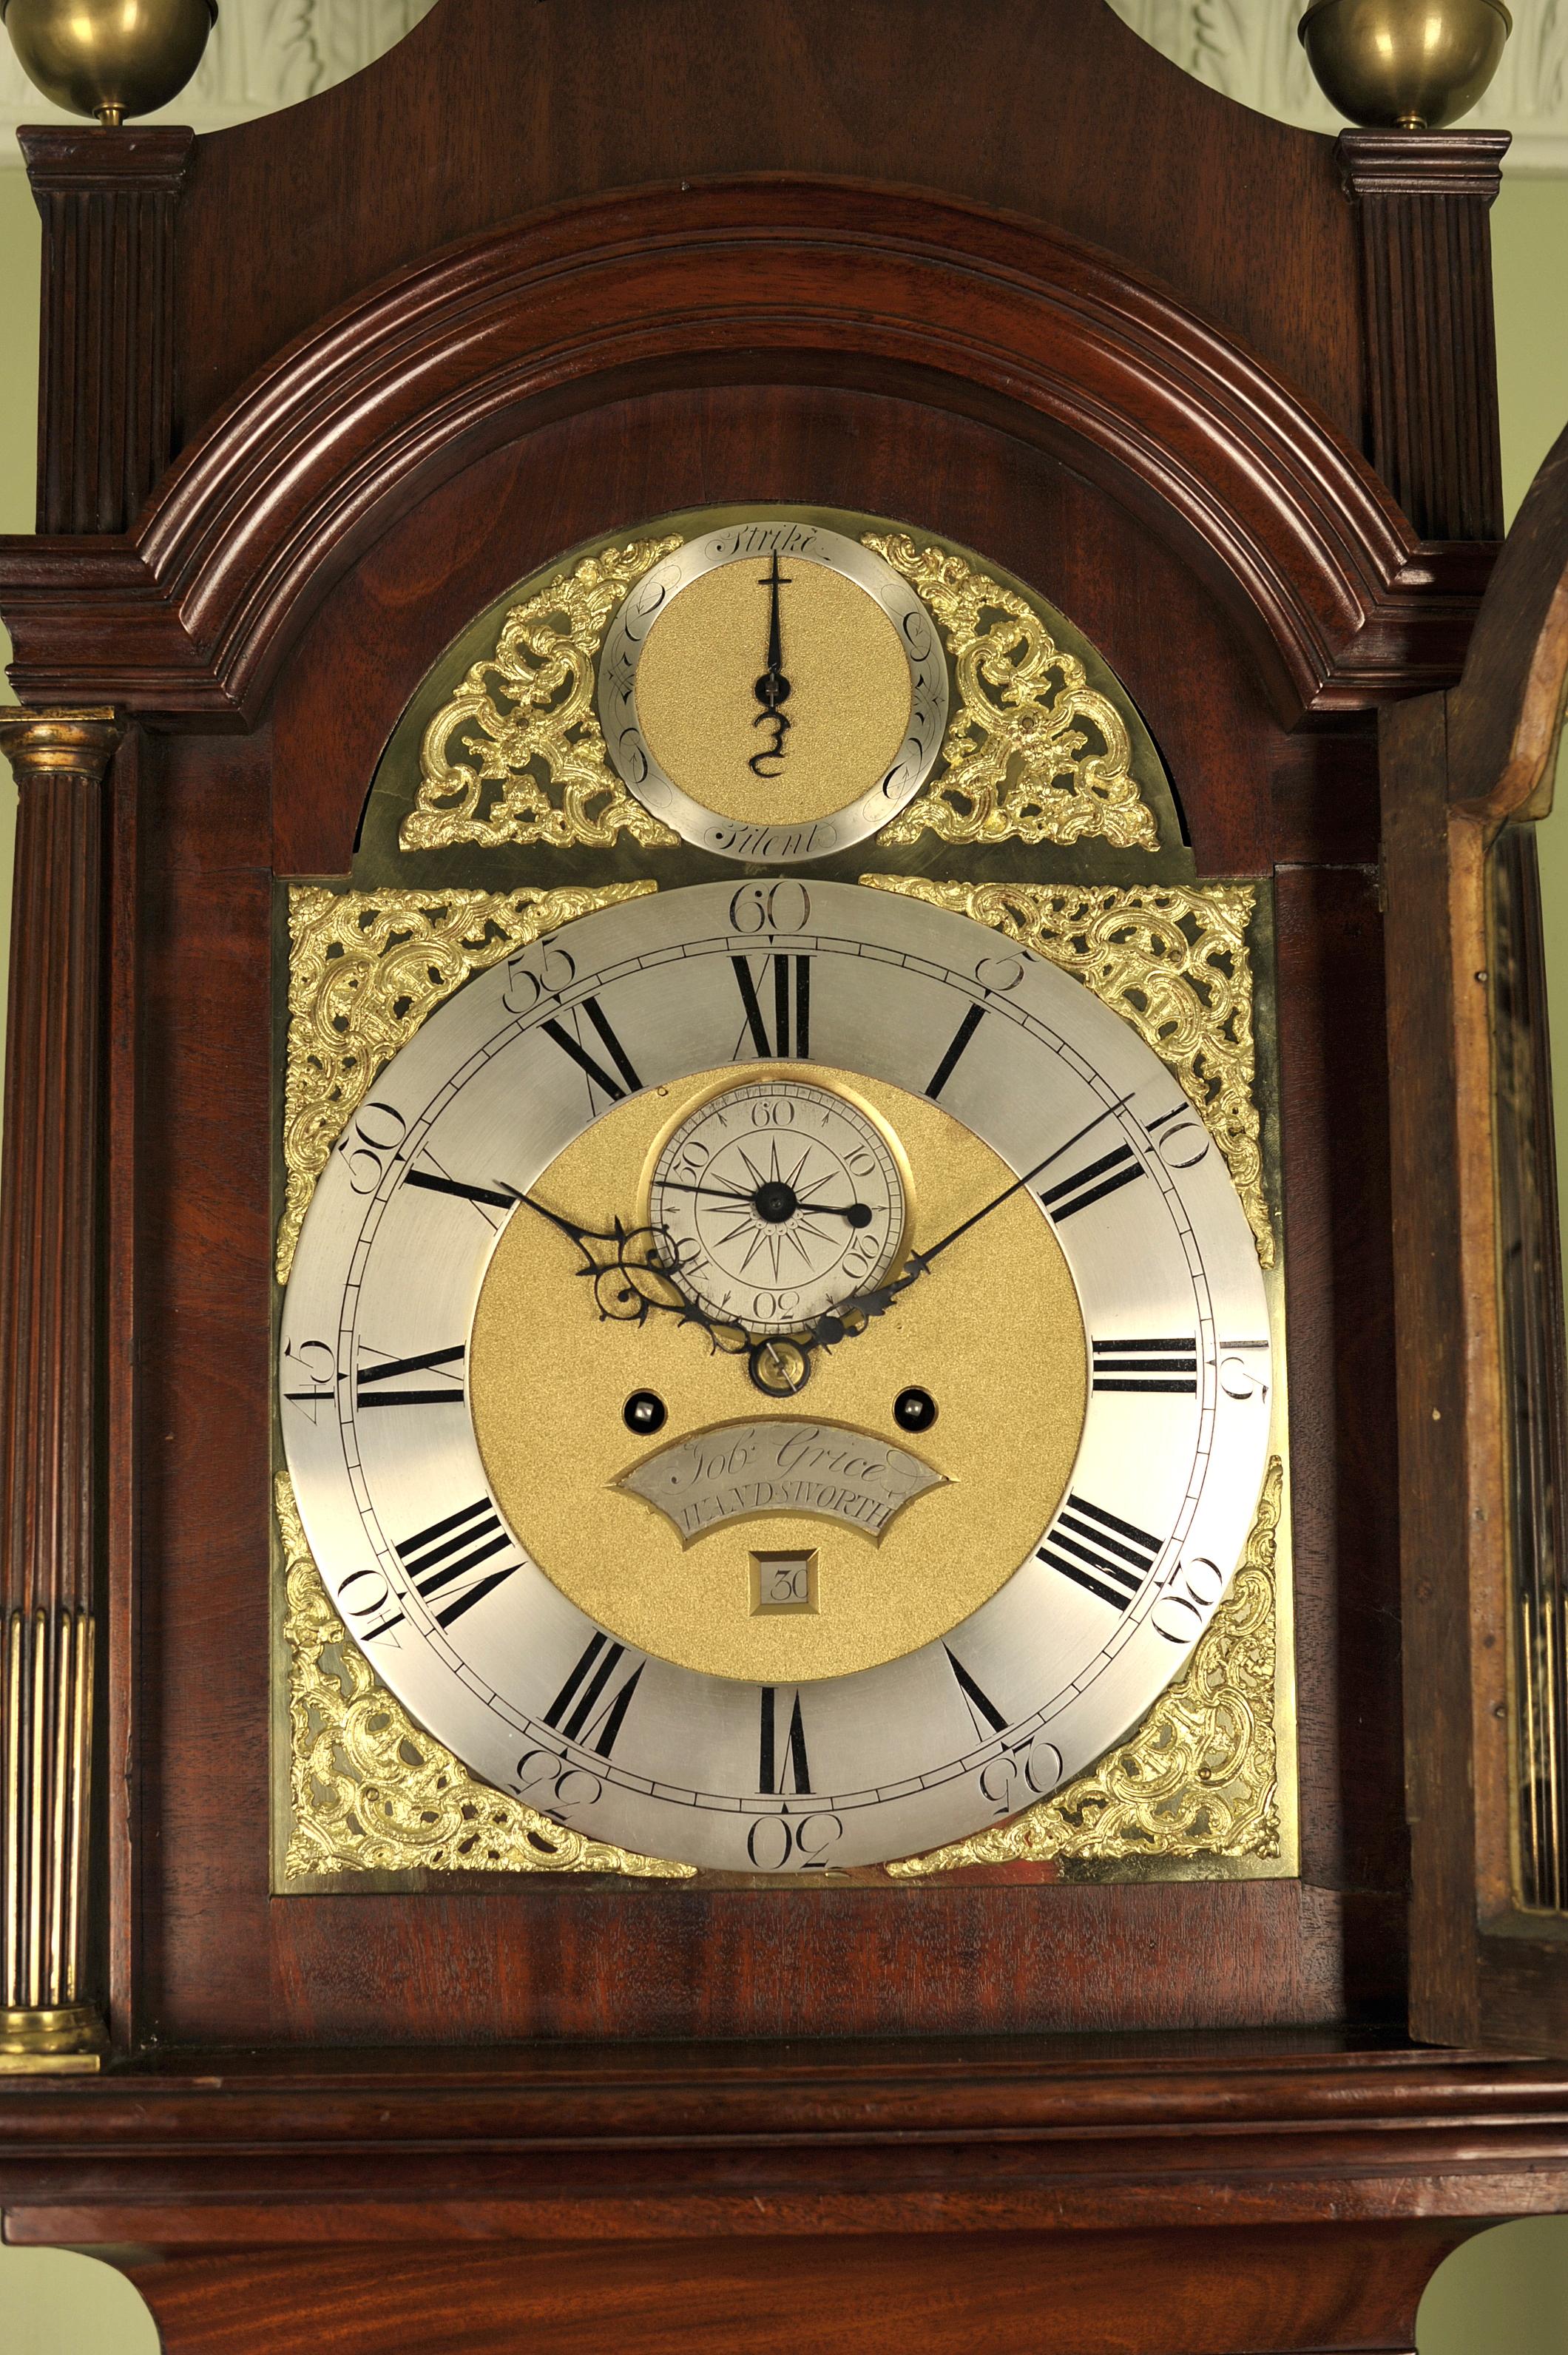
point(40, 744)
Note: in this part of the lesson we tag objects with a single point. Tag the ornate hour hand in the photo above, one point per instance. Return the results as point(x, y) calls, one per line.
point(631, 1271)
point(772, 690)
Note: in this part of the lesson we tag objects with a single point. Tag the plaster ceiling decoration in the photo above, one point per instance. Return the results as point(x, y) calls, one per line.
point(263, 54)
point(1248, 48)
point(269, 53)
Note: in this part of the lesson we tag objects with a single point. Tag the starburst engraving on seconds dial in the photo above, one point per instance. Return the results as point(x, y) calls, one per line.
point(778, 1201)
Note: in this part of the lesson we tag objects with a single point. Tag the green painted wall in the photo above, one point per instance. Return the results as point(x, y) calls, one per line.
point(1506, 2293)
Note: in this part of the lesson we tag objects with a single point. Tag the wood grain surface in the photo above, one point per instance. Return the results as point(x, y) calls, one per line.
point(1456, 768)
point(1060, 116)
point(988, 2294)
point(192, 614)
point(106, 391)
point(544, 272)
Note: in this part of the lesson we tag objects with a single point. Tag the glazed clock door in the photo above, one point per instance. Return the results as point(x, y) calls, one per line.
point(1483, 1436)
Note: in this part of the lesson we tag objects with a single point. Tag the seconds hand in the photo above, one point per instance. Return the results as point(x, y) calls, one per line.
point(858, 1213)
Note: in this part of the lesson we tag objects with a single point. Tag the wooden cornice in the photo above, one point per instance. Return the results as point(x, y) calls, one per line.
point(664, 2143)
point(185, 619)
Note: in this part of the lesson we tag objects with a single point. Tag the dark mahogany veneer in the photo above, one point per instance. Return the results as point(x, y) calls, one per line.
point(547, 270)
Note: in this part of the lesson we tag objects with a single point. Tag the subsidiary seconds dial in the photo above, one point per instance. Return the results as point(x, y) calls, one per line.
point(777, 1201)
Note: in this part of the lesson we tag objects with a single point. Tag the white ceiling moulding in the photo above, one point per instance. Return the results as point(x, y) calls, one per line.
point(267, 53)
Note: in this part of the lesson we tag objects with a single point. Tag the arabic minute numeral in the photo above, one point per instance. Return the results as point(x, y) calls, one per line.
point(542, 970)
point(1181, 1137)
point(365, 1595)
point(1239, 1379)
point(564, 1785)
point(775, 1843)
point(770, 908)
point(1184, 1609)
point(313, 1369)
point(375, 1135)
point(1020, 1773)
point(1098, 1551)
point(789, 991)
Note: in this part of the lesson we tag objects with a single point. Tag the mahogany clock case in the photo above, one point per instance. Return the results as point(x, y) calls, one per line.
point(1222, 394)
point(563, 1957)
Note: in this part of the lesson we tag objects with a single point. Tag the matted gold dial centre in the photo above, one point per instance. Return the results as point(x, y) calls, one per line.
point(993, 1334)
point(847, 699)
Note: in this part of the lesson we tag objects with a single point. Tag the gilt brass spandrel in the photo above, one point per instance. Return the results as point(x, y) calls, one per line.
point(1206, 1782)
point(1033, 753)
point(369, 1791)
point(1173, 959)
point(365, 970)
point(1199, 1778)
point(516, 754)
point(1043, 746)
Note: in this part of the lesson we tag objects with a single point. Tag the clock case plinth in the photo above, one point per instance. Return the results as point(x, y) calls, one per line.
point(382, 397)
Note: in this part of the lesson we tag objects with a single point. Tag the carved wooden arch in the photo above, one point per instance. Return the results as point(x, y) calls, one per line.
point(743, 281)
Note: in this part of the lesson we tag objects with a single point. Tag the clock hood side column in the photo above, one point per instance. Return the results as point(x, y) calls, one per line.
point(108, 202)
point(49, 1386)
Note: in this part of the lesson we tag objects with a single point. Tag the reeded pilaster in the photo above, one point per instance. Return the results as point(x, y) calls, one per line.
point(48, 1285)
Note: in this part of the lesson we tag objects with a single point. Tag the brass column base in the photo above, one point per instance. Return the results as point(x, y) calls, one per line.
point(68, 2038)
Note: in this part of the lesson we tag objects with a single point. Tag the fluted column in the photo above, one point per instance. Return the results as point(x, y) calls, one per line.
point(109, 205)
point(1423, 199)
point(48, 1437)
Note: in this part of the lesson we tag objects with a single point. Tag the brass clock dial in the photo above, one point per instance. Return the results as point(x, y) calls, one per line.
point(553, 1491)
point(774, 691)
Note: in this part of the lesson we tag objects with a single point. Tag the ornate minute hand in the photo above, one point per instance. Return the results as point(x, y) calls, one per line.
point(864, 1305)
point(772, 689)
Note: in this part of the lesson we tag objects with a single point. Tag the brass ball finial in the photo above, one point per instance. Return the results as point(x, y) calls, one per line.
point(1410, 65)
point(109, 58)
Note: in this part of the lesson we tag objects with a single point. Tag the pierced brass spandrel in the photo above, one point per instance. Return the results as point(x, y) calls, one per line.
point(517, 755)
point(1033, 753)
point(365, 968)
point(1173, 959)
point(371, 1791)
point(1199, 1778)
